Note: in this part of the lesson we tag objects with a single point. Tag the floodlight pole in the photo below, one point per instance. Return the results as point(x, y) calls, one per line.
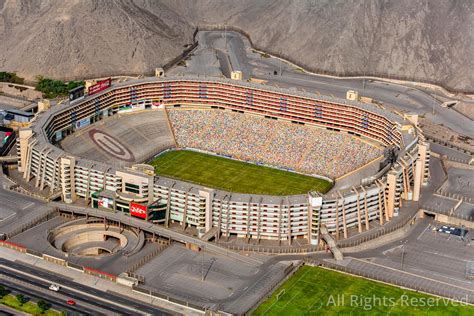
point(403, 254)
point(202, 263)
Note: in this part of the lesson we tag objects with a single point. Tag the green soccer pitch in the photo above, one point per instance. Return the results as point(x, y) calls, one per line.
point(234, 176)
point(318, 291)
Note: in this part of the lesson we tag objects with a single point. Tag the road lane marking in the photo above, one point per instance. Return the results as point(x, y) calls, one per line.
point(28, 205)
point(71, 288)
point(4, 219)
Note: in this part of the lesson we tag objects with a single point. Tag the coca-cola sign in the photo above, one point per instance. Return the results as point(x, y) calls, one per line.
point(138, 210)
point(99, 86)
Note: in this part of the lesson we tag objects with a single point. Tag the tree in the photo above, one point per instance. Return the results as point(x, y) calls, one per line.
point(42, 305)
point(21, 299)
point(3, 291)
point(10, 77)
point(54, 88)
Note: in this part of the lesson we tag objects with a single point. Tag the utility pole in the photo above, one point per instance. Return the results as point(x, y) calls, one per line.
point(225, 36)
point(434, 103)
point(403, 254)
point(202, 263)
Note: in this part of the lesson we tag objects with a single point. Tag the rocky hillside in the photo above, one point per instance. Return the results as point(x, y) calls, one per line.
point(85, 38)
point(417, 40)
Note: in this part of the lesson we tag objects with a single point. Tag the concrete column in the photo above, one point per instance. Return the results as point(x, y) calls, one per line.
point(228, 216)
point(168, 207)
point(279, 221)
point(259, 228)
point(23, 139)
point(366, 211)
point(207, 195)
point(337, 219)
point(359, 221)
point(219, 223)
point(289, 222)
point(249, 211)
point(344, 222)
point(392, 187)
point(381, 201)
point(185, 211)
point(418, 180)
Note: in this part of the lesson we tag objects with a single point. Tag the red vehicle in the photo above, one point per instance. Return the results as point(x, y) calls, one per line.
point(71, 302)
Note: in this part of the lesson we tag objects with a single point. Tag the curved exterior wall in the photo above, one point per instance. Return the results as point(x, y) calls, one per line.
point(244, 215)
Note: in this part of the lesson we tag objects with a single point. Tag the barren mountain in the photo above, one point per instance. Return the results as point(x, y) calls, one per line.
point(421, 40)
point(78, 38)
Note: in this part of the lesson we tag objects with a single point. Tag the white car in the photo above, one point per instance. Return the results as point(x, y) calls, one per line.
point(54, 287)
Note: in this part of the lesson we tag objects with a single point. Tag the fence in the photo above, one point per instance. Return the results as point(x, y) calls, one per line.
point(145, 259)
point(288, 273)
point(454, 196)
point(100, 274)
point(344, 73)
point(16, 187)
point(273, 249)
point(443, 142)
point(181, 57)
point(168, 298)
point(13, 246)
point(449, 212)
point(385, 278)
point(40, 219)
point(374, 235)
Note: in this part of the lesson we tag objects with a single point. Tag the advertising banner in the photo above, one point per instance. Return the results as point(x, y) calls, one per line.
point(59, 136)
point(83, 123)
point(76, 93)
point(105, 202)
point(99, 86)
point(138, 210)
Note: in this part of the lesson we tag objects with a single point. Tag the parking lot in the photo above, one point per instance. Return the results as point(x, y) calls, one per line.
point(433, 258)
point(209, 279)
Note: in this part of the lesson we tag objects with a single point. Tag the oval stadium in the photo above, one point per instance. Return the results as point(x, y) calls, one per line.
point(228, 158)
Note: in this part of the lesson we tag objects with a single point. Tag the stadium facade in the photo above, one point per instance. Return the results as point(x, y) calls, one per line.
point(375, 198)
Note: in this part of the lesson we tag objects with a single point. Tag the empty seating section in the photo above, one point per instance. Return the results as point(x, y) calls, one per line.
point(143, 133)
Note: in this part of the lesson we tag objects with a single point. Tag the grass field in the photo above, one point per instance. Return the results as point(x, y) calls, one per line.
point(234, 176)
point(28, 307)
point(318, 291)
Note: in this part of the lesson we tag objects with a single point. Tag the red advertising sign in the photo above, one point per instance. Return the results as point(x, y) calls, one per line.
point(99, 86)
point(138, 210)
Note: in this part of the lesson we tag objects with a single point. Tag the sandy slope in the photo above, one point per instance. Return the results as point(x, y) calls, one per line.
point(418, 40)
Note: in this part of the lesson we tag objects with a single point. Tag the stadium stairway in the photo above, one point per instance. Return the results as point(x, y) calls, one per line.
point(331, 243)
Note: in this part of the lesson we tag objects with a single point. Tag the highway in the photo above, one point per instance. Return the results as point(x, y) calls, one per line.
point(57, 304)
point(253, 65)
point(112, 303)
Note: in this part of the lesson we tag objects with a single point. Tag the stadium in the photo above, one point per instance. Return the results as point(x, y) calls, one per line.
point(310, 160)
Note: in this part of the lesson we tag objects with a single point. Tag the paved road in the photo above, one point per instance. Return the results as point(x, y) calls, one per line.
point(53, 301)
point(254, 65)
point(133, 307)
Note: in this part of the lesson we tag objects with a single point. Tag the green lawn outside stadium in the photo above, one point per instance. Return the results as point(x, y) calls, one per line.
point(234, 176)
point(318, 291)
